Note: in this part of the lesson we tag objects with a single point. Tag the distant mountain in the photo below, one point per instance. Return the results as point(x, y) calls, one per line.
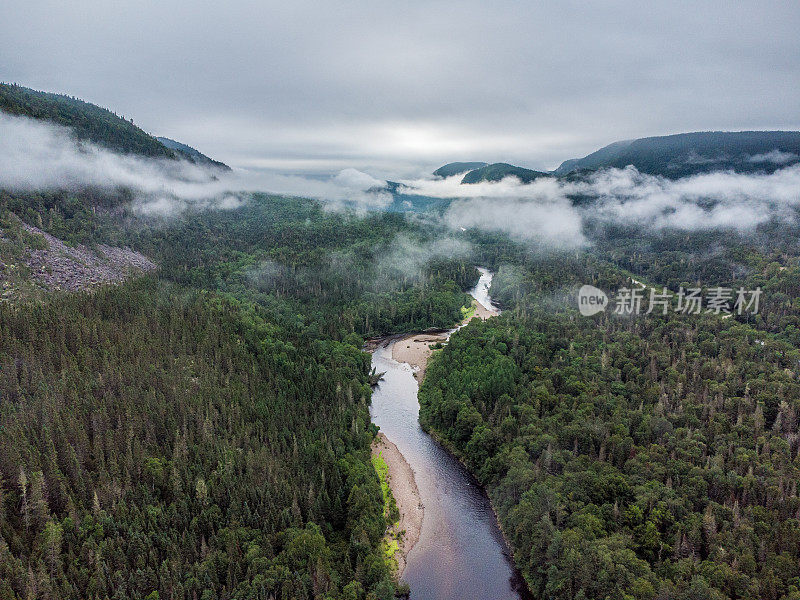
point(498, 171)
point(595, 160)
point(686, 154)
point(87, 121)
point(192, 155)
point(457, 168)
point(412, 203)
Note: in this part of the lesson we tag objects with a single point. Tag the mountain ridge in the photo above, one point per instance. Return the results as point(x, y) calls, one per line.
point(672, 156)
point(192, 154)
point(87, 121)
point(95, 124)
point(457, 168)
point(499, 171)
point(682, 154)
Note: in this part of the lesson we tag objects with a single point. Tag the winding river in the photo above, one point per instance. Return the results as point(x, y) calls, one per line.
point(461, 554)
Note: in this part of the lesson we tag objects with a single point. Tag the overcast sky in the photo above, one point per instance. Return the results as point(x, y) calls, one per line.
point(397, 88)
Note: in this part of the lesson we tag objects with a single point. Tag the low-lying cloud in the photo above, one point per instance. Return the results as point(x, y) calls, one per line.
point(707, 201)
point(551, 222)
point(776, 156)
point(35, 155)
point(407, 257)
point(553, 211)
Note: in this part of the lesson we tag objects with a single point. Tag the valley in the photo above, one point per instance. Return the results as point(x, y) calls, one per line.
point(459, 551)
point(188, 409)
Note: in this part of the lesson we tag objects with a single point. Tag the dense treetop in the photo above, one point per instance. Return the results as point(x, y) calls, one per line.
point(498, 171)
point(648, 457)
point(202, 432)
point(87, 121)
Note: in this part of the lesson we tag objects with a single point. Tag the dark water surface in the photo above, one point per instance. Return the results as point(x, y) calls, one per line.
point(460, 554)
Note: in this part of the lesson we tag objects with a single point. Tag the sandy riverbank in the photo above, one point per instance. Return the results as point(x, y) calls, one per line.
point(406, 494)
point(416, 349)
point(484, 313)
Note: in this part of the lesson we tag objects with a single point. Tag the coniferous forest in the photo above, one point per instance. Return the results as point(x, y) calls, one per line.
point(182, 444)
point(201, 430)
point(649, 457)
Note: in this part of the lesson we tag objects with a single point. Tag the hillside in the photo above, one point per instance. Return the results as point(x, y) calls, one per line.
point(643, 457)
point(33, 263)
point(192, 155)
point(634, 457)
point(457, 168)
point(88, 121)
point(691, 153)
point(499, 171)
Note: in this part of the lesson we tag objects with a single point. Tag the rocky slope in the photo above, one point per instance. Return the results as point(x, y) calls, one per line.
point(32, 261)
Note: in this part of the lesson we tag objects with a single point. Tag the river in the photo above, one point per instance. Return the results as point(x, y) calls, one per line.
point(461, 554)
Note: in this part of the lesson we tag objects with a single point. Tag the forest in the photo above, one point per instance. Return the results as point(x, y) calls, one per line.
point(86, 121)
point(160, 443)
point(202, 431)
point(631, 458)
point(649, 457)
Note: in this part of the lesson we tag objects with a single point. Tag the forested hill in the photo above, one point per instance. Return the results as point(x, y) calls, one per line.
point(690, 153)
point(457, 168)
point(192, 154)
point(498, 171)
point(88, 121)
point(672, 156)
point(200, 431)
point(204, 430)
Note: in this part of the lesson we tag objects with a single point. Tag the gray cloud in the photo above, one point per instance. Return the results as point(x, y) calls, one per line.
point(35, 155)
point(542, 211)
point(774, 156)
point(390, 87)
point(406, 257)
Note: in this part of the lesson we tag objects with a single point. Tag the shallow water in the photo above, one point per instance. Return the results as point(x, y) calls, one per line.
point(461, 553)
point(481, 291)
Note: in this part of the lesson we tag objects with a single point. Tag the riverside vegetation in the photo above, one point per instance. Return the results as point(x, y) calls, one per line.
point(649, 457)
point(202, 431)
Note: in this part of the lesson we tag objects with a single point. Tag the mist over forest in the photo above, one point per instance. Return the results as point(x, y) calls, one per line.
point(364, 302)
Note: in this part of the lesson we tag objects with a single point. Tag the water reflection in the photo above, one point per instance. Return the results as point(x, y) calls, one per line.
point(461, 554)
